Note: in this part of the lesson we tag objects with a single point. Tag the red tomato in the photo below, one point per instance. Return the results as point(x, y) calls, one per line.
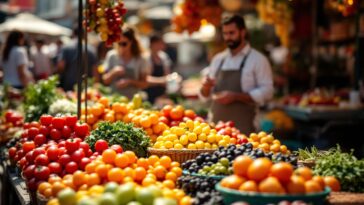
point(28, 146)
point(71, 120)
point(90, 153)
point(22, 163)
point(29, 157)
point(85, 147)
point(32, 132)
point(55, 134)
point(62, 143)
point(8, 115)
point(40, 139)
point(175, 123)
point(12, 152)
point(77, 155)
point(26, 125)
point(28, 172)
point(42, 173)
point(55, 168)
point(81, 130)
point(84, 161)
point(59, 122)
point(164, 120)
point(71, 167)
point(101, 145)
point(38, 151)
point(66, 132)
point(64, 159)
point(230, 123)
point(24, 135)
point(20, 153)
point(72, 145)
point(46, 119)
point(41, 159)
point(43, 130)
point(117, 148)
point(53, 153)
point(35, 124)
point(166, 110)
point(32, 184)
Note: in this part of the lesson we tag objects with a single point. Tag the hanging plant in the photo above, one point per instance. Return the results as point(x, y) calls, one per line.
point(192, 14)
point(105, 17)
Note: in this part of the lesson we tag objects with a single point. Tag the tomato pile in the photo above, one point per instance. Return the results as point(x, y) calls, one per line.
point(267, 143)
point(172, 116)
point(261, 175)
point(13, 119)
point(228, 128)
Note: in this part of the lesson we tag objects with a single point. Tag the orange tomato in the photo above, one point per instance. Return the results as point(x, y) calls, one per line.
point(93, 179)
point(175, 164)
point(296, 185)
point(166, 110)
point(158, 128)
point(108, 156)
point(241, 165)
point(57, 187)
point(90, 168)
point(176, 114)
point(115, 175)
point(47, 193)
point(259, 169)
point(171, 176)
point(160, 172)
point(232, 181)
point(169, 184)
point(119, 116)
point(145, 122)
point(78, 178)
point(190, 114)
point(121, 160)
point(53, 179)
point(104, 101)
point(249, 186)
point(186, 200)
point(109, 117)
point(118, 108)
point(333, 183)
point(148, 181)
point(153, 159)
point(312, 186)
point(142, 162)
point(319, 180)
point(43, 186)
point(97, 110)
point(140, 174)
point(91, 119)
point(304, 172)
point(154, 118)
point(131, 155)
point(177, 171)
point(271, 185)
point(165, 161)
point(282, 171)
point(102, 170)
point(129, 172)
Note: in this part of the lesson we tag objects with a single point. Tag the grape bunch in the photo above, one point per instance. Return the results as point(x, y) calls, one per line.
point(106, 18)
point(202, 189)
point(220, 161)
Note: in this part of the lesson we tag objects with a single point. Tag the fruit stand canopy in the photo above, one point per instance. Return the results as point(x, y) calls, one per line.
point(29, 23)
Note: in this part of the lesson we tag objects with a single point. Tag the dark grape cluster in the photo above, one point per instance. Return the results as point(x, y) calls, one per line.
point(202, 189)
point(210, 163)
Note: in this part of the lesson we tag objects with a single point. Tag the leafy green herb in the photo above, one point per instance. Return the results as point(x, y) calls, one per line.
point(126, 135)
point(38, 98)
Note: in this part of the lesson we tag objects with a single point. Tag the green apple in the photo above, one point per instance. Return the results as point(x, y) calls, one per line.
point(145, 196)
point(125, 193)
point(111, 187)
point(156, 191)
point(67, 197)
point(87, 201)
point(107, 199)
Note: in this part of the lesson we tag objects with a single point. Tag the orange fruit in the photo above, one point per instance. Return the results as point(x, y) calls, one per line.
point(119, 116)
point(232, 181)
point(158, 128)
point(131, 155)
point(249, 186)
point(43, 186)
point(312, 186)
point(296, 185)
point(186, 200)
point(116, 175)
point(83, 187)
point(121, 160)
point(320, 180)
point(109, 117)
point(53, 179)
point(90, 168)
point(127, 179)
point(104, 101)
point(153, 159)
point(176, 114)
point(165, 161)
point(57, 187)
point(160, 172)
point(69, 183)
point(108, 156)
point(145, 122)
point(282, 171)
point(175, 164)
point(241, 165)
point(91, 119)
point(259, 169)
point(177, 170)
point(67, 177)
point(190, 114)
point(79, 178)
point(140, 174)
point(333, 183)
point(102, 170)
point(97, 110)
point(304, 172)
point(47, 193)
point(93, 179)
point(154, 118)
point(169, 184)
point(142, 162)
point(171, 176)
point(148, 181)
point(118, 108)
point(129, 172)
point(271, 185)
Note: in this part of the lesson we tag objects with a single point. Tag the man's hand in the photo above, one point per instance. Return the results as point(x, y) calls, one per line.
point(207, 84)
point(225, 97)
point(122, 83)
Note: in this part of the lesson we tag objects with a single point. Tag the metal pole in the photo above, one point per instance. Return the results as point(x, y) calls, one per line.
point(79, 58)
point(358, 46)
point(86, 72)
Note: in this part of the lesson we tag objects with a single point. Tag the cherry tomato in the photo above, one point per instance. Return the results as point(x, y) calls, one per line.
point(71, 167)
point(35, 124)
point(81, 130)
point(117, 148)
point(84, 161)
point(55, 168)
point(28, 172)
point(38, 151)
point(230, 123)
point(32, 132)
point(40, 139)
point(72, 145)
point(55, 134)
point(24, 135)
point(71, 120)
point(45, 119)
point(26, 126)
point(85, 147)
point(22, 163)
point(66, 132)
point(77, 155)
point(41, 159)
point(29, 157)
point(62, 143)
point(53, 153)
point(12, 152)
point(28, 146)
point(101, 145)
point(61, 151)
point(42, 173)
point(59, 122)
point(64, 159)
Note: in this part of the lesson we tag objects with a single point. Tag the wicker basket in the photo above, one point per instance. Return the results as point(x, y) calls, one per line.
point(346, 198)
point(179, 155)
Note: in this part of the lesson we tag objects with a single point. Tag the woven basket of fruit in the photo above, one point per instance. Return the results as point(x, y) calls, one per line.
point(346, 198)
point(179, 155)
point(230, 196)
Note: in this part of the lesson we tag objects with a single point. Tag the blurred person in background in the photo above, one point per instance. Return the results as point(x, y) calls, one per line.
point(160, 68)
point(67, 66)
point(239, 79)
point(126, 69)
point(42, 67)
point(15, 61)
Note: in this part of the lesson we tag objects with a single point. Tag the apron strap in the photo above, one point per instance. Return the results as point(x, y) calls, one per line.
point(244, 60)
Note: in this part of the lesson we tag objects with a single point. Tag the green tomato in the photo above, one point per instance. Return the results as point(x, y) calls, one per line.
point(155, 190)
point(145, 196)
point(206, 168)
point(67, 197)
point(125, 193)
point(111, 187)
point(87, 201)
point(107, 199)
point(224, 161)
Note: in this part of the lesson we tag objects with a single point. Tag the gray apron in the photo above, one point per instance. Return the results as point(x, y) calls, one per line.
point(130, 90)
point(241, 113)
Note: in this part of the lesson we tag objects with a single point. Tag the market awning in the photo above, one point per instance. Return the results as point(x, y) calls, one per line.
point(30, 23)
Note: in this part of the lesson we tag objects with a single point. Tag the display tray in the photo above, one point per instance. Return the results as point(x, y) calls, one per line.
point(230, 196)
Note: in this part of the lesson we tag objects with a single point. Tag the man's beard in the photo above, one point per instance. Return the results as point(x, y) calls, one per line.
point(233, 44)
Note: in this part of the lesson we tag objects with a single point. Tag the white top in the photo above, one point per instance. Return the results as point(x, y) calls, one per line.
point(256, 77)
point(17, 57)
point(42, 62)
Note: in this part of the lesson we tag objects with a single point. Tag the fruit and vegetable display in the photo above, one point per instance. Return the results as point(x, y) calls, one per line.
point(106, 18)
point(63, 107)
point(267, 143)
point(261, 175)
point(316, 97)
point(11, 123)
point(228, 128)
point(334, 162)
